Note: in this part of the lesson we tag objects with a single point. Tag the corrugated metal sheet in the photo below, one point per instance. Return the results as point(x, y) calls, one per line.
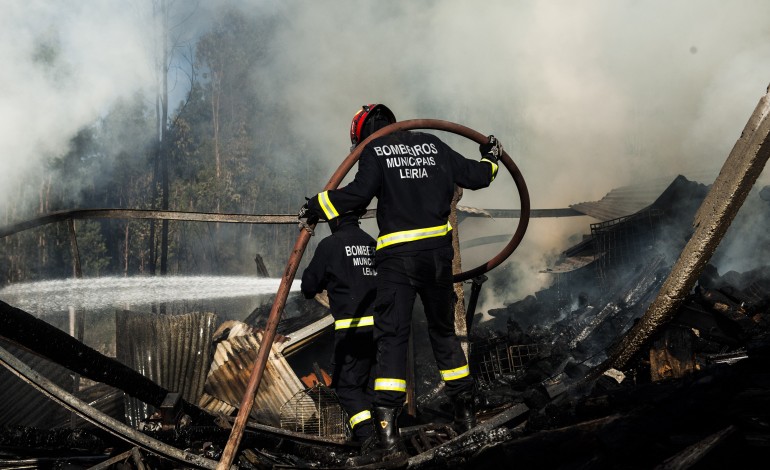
point(570, 264)
point(617, 238)
point(627, 200)
point(174, 351)
point(304, 336)
point(23, 405)
point(230, 371)
point(624, 201)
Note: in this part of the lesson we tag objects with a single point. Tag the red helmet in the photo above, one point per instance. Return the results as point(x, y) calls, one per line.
point(357, 125)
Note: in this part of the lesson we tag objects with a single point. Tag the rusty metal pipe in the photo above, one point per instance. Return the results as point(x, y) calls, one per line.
point(299, 248)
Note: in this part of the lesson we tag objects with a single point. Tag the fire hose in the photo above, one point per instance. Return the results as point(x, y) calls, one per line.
point(299, 248)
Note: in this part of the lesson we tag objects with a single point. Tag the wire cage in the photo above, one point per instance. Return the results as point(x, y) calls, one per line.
point(495, 358)
point(623, 240)
point(315, 411)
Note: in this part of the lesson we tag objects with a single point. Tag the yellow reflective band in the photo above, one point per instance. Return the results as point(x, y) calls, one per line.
point(359, 417)
point(494, 167)
point(413, 235)
point(454, 374)
point(327, 206)
point(353, 322)
point(396, 385)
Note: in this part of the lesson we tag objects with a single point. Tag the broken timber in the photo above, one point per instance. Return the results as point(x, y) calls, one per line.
point(738, 175)
point(516, 411)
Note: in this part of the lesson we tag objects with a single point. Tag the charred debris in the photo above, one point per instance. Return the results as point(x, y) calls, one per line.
point(696, 396)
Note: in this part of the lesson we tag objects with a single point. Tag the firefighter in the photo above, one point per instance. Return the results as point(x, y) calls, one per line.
point(413, 175)
point(343, 265)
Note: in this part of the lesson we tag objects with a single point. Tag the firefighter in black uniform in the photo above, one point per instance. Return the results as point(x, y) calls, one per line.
point(413, 175)
point(343, 265)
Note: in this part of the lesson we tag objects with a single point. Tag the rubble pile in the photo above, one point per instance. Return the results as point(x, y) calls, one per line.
point(699, 391)
point(695, 396)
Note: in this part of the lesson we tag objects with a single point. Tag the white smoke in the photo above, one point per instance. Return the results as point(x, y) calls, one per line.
point(64, 62)
point(586, 96)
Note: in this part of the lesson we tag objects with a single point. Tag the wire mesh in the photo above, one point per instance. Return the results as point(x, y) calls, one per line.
point(495, 358)
point(623, 240)
point(315, 411)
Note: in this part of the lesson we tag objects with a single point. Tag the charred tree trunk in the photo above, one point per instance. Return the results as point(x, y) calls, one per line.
point(163, 130)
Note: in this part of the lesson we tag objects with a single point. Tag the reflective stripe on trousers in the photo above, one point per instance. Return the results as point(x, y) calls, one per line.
point(394, 385)
point(353, 322)
point(454, 374)
point(359, 418)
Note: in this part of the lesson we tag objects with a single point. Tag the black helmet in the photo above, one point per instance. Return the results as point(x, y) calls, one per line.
point(368, 113)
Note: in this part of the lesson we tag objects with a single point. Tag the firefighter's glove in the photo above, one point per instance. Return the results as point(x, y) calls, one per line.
point(492, 149)
point(307, 218)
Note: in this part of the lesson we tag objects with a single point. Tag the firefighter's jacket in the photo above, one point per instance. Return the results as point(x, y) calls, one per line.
point(343, 264)
point(413, 175)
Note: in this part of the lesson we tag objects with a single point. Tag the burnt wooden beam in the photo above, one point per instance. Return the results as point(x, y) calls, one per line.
point(671, 355)
point(515, 413)
point(725, 197)
point(557, 448)
point(696, 452)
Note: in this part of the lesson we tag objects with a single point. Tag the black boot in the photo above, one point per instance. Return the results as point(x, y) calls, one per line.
point(465, 411)
point(363, 431)
point(385, 448)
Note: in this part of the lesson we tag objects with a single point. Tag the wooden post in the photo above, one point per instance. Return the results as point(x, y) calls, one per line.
point(461, 329)
point(77, 317)
point(76, 269)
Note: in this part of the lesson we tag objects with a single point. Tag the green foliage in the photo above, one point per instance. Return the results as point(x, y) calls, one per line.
point(92, 248)
point(227, 145)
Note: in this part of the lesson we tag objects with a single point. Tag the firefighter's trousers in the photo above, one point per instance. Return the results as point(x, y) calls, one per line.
point(400, 278)
point(352, 376)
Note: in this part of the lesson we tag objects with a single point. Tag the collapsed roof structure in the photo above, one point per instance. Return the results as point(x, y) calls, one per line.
point(700, 383)
point(639, 355)
point(526, 359)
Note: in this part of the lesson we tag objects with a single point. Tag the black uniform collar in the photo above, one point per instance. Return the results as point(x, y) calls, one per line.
point(343, 221)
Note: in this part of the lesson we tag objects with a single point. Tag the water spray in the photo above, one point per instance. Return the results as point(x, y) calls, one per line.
point(108, 292)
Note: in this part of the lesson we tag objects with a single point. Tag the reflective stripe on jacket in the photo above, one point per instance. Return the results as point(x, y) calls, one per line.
point(413, 175)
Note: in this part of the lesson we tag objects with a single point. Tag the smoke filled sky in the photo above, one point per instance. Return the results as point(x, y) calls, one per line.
point(586, 96)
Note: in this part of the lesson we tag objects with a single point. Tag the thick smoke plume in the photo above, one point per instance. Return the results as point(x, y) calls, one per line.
point(64, 64)
point(586, 96)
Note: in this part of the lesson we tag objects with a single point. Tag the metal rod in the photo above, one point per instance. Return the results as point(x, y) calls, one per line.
point(475, 289)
